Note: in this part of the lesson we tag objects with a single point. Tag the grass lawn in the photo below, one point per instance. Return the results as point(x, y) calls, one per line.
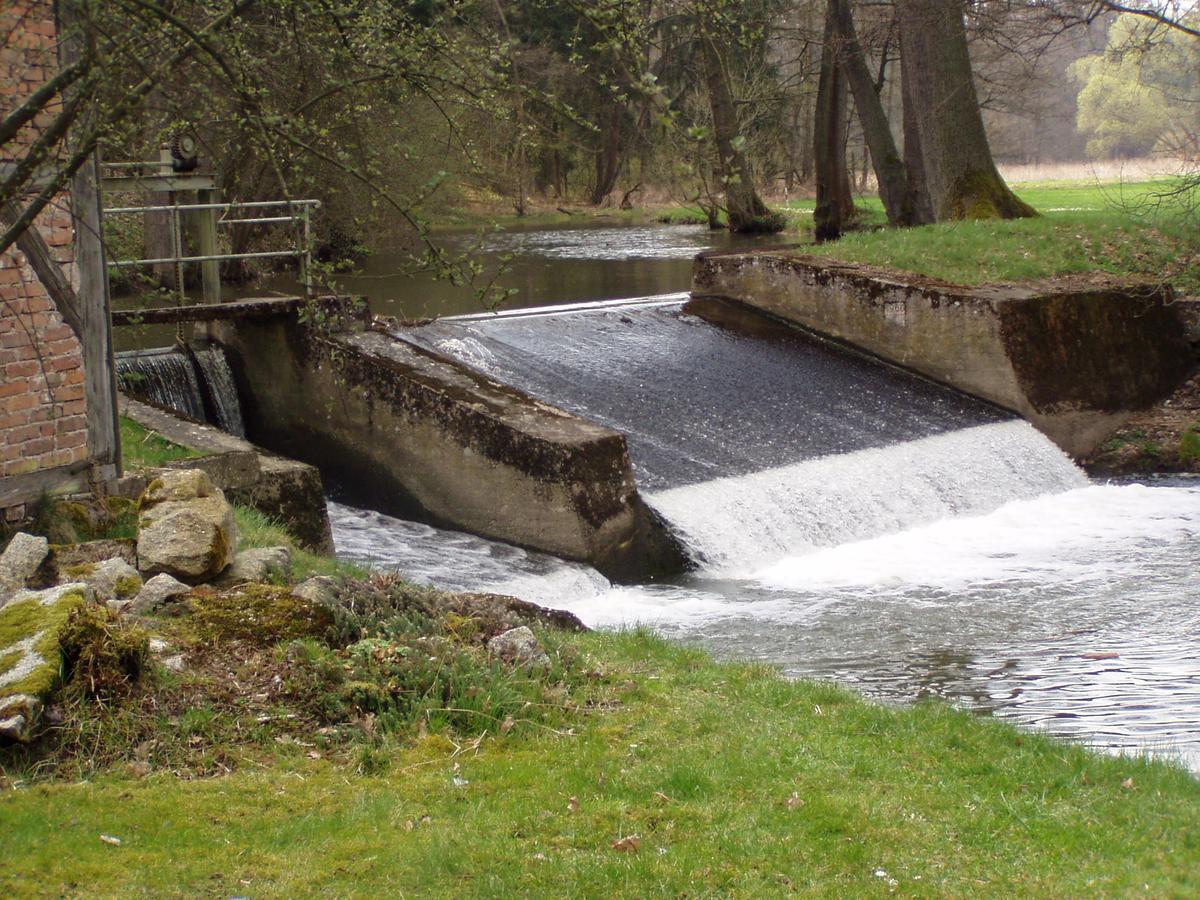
point(719, 779)
point(143, 448)
point(1121, 230)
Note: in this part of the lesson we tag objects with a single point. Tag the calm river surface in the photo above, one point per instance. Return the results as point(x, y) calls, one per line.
point(543, 266)
point(547, 266)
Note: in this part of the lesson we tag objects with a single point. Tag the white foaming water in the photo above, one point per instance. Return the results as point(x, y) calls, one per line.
point(1086, 540)
point(1078, 537)
point(735, 526)
point(457, 561)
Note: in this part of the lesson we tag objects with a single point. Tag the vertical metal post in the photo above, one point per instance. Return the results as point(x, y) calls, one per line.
point(177, 252)
point(306, 251)
point(206, 221)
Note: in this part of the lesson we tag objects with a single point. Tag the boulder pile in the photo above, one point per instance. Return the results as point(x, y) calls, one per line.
point(186, 537)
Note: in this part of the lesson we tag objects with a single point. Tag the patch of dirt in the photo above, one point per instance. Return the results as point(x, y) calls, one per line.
point(1164, 438)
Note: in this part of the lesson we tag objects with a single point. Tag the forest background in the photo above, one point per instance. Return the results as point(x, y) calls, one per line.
point(398, 114)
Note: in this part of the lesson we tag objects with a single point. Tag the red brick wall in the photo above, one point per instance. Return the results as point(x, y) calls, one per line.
point(42, 413)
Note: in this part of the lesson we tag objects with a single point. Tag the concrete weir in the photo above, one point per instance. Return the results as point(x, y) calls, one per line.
point(413, 434)
point(1077, 357)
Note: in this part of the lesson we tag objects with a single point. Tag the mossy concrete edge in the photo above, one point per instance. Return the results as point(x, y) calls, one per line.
point(1077, 356)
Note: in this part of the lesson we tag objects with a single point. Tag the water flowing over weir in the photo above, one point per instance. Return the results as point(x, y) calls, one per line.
point(196, 383)
point(752, 439)
point(850, 521)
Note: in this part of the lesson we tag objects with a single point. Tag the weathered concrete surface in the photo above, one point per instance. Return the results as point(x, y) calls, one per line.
point(1077, 357)
point(287, 490)
point(414, 434)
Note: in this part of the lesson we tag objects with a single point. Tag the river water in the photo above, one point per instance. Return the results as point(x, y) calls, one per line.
point(848, 521)
point(544, 266)
point(1074, 612)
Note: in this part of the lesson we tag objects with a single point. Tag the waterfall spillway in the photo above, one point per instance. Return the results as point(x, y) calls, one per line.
point(196, 383)
point(753, 439)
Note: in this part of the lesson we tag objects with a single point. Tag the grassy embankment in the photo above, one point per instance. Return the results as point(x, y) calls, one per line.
point(634, 767)
point(722, 779)
point(1124, 230)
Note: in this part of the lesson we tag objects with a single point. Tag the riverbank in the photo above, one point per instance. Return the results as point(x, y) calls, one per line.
point(678, 775)
point(374, 741)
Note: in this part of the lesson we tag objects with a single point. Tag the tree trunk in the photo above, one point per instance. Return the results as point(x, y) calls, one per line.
point(889, 167)
point(914, 162)
point(747, 212)
point(835, 202)
point(608, 157)
point(959, 170)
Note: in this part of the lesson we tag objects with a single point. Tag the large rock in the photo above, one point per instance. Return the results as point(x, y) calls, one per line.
point(258, 564)
point(113, 580)
point(30, 655)
point(186, 528)
point(157, 593)
point(519, 646)
point(320, 590)
point(74, 562)
point(21, 558)
point(177, 485)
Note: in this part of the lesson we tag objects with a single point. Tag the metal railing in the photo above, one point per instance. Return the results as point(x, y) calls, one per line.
point(298, 212)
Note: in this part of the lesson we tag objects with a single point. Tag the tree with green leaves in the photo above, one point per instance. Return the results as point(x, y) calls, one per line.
point(1142, 94)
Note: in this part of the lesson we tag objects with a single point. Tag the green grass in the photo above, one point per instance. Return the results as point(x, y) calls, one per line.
point(143, 448)
point(258, 530)
point(1121, 230)
point(735, 782)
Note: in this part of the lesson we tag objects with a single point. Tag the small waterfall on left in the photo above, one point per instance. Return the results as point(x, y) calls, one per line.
point(196, 383)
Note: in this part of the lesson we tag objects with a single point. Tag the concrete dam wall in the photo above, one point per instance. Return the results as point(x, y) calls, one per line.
point(406, 432)
point(613, 433)
point(1076, 357)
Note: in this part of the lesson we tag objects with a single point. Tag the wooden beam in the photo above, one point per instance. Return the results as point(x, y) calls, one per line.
point(263, 308)
point(158, 183)
point(26, 488)
point(47, 269)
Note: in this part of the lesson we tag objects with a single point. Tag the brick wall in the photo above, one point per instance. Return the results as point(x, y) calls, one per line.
point(42, 408)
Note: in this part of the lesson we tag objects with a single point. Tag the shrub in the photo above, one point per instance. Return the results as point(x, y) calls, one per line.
point(102, 655)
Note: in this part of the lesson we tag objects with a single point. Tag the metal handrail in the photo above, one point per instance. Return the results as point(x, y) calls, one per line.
point(117, 264)
point(253, 204)
point(302, 216)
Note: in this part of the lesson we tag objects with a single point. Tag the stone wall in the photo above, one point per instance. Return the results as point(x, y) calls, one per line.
point(43, 422)
point(1076, 357)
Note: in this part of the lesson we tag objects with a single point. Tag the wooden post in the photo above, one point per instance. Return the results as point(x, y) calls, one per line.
point(305, 251)
point(100, 371)
point(210, 272)
point(104, 433)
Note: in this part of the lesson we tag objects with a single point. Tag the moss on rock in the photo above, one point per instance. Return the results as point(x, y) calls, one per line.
point(31, 659)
